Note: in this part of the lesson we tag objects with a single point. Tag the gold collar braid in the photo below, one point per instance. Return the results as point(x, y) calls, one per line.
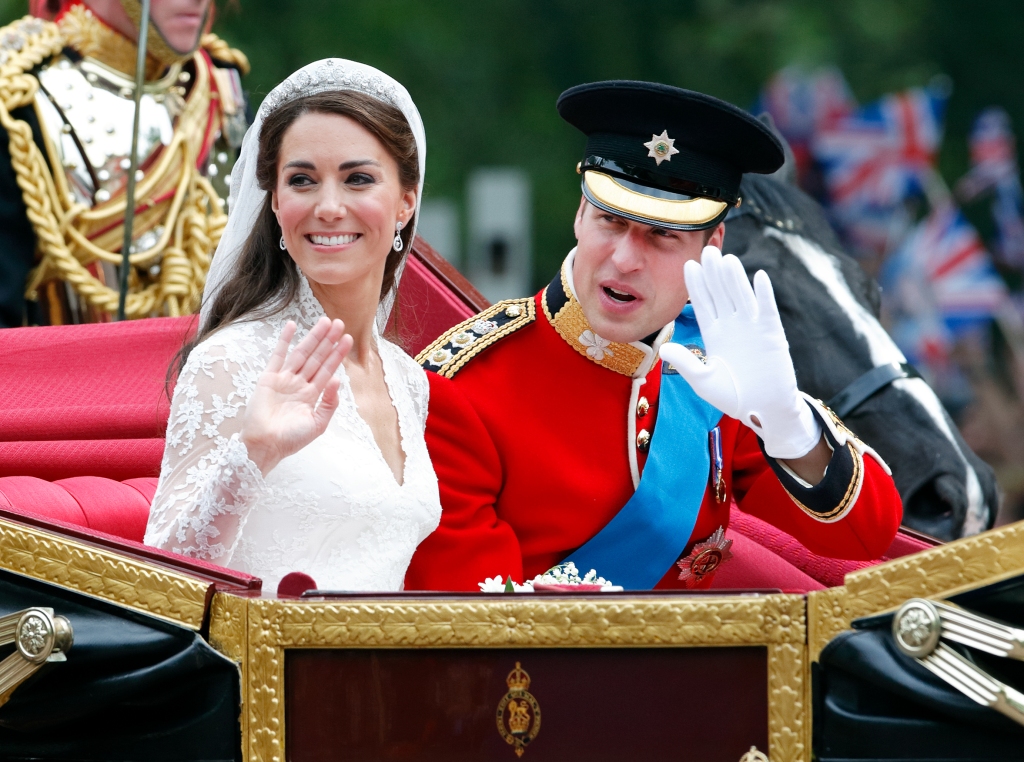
point(566, 316)
point(88, 35)
point(70, 236)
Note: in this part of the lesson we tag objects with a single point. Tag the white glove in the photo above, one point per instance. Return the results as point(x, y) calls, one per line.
point(748, 373)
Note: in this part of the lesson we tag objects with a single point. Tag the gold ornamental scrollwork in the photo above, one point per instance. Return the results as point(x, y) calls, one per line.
point(775, 621)
point(103, 574)
point(518, 714)
point(937, 573)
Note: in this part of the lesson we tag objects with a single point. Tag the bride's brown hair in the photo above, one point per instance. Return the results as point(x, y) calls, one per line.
point(265, 278)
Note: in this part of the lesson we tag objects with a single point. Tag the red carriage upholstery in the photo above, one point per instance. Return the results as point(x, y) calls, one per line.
point(83, 411)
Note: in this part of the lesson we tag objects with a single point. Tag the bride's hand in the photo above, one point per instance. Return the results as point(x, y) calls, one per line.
point(282, 415)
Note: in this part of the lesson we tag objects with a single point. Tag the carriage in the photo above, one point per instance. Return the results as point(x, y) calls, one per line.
point(113, 650)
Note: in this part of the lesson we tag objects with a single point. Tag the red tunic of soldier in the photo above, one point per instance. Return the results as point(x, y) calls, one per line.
point(539, 426)
point(533, 441)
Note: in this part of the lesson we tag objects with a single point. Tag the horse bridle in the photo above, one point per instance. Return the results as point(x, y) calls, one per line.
point(857, 392)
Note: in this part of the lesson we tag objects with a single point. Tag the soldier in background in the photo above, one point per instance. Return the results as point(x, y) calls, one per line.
point(66, 111)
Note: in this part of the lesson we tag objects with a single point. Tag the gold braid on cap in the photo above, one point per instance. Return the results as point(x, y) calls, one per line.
point(70, 235)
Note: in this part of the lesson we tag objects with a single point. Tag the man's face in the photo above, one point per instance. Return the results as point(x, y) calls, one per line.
point(180, 21)
point(629, 276)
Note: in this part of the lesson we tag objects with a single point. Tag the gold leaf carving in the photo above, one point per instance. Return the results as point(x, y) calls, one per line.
point(777, 621)
point(229, 634)
point(228, 625)
point(939, 572)
point(265, 705)
point(102, 574)
point(788, 724)
point(499, 621)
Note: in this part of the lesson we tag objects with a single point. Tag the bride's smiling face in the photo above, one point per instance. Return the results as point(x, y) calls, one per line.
point(338, 198)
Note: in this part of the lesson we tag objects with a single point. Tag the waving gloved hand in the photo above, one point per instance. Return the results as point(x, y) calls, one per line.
point(748, 373)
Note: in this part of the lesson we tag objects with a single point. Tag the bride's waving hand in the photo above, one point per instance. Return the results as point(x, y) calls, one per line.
point(296, 395)
point(295, 440)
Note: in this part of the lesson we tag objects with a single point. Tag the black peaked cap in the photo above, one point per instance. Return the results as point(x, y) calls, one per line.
point(716, 141)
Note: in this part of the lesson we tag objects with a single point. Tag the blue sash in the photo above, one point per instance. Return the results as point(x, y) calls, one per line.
point(639, 545)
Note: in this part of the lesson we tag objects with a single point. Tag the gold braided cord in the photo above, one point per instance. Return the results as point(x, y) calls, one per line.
point(71, 236)
point(221, 51)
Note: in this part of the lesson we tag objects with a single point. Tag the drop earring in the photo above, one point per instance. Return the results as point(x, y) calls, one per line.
point(281, 244)
point(398, 245)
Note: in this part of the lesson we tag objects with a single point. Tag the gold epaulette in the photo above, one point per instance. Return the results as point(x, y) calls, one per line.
point(24, 44)
point(221, 51)
point(453, 349)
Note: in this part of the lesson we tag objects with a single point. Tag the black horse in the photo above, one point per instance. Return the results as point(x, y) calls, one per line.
point(829, 308)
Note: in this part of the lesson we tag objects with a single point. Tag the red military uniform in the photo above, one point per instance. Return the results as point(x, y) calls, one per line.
point(538, 431)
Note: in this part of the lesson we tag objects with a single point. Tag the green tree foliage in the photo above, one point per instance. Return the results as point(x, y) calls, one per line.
point(486, 74)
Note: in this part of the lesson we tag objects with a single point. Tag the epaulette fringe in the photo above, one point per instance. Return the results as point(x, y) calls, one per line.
point(450, 352)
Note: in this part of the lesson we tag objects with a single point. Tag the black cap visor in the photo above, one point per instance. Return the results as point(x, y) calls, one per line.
point(651, 206)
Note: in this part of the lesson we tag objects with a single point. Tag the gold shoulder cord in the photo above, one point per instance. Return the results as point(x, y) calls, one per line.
point(221, 51)
point(71, 236)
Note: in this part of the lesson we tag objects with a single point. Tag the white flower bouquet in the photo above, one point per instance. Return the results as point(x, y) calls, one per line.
point(561, 577)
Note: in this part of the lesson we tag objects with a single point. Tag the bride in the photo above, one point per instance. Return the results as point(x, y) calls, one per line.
point(295, 440)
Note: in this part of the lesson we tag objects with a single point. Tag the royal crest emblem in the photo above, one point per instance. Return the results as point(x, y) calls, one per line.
point(705, 558)
point(518, 712)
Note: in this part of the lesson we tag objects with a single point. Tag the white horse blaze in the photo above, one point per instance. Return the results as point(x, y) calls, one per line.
point(824, 268)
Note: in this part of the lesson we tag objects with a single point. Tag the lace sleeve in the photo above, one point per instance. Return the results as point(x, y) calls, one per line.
point(207, 481)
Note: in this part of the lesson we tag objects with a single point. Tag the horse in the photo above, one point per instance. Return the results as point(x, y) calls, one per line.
point(843, 356)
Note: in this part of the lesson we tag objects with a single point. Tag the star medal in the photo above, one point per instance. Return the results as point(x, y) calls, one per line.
point(661, 147)
point(705, 558)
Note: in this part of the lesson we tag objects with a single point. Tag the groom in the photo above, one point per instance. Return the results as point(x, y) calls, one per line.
point(557, 432)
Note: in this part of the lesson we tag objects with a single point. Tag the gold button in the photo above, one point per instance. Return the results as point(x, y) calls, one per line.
point(513, 311)
point(643, 407)
point(643, 440)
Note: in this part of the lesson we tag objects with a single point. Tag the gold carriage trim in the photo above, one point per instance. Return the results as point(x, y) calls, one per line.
point(105, 574)
point(450, 352)
point(694, 211)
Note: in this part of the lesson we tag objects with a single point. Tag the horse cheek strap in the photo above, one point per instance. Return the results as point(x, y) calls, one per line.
point(863, 387)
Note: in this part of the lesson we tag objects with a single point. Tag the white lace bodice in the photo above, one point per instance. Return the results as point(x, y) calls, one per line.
point(332, 510)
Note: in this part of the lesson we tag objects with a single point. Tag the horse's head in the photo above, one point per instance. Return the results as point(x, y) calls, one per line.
point(829, 308)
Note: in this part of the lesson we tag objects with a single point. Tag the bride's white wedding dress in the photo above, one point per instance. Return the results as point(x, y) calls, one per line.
point(333, 510)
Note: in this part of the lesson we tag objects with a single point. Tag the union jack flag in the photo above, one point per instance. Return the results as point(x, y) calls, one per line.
point(994, 167)
point(945, 256)
point(884, 152)
point(801, 104)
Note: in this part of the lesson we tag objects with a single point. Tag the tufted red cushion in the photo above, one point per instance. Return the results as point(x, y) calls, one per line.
point(104, 505)
point(29, 493)
point(109, 506)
